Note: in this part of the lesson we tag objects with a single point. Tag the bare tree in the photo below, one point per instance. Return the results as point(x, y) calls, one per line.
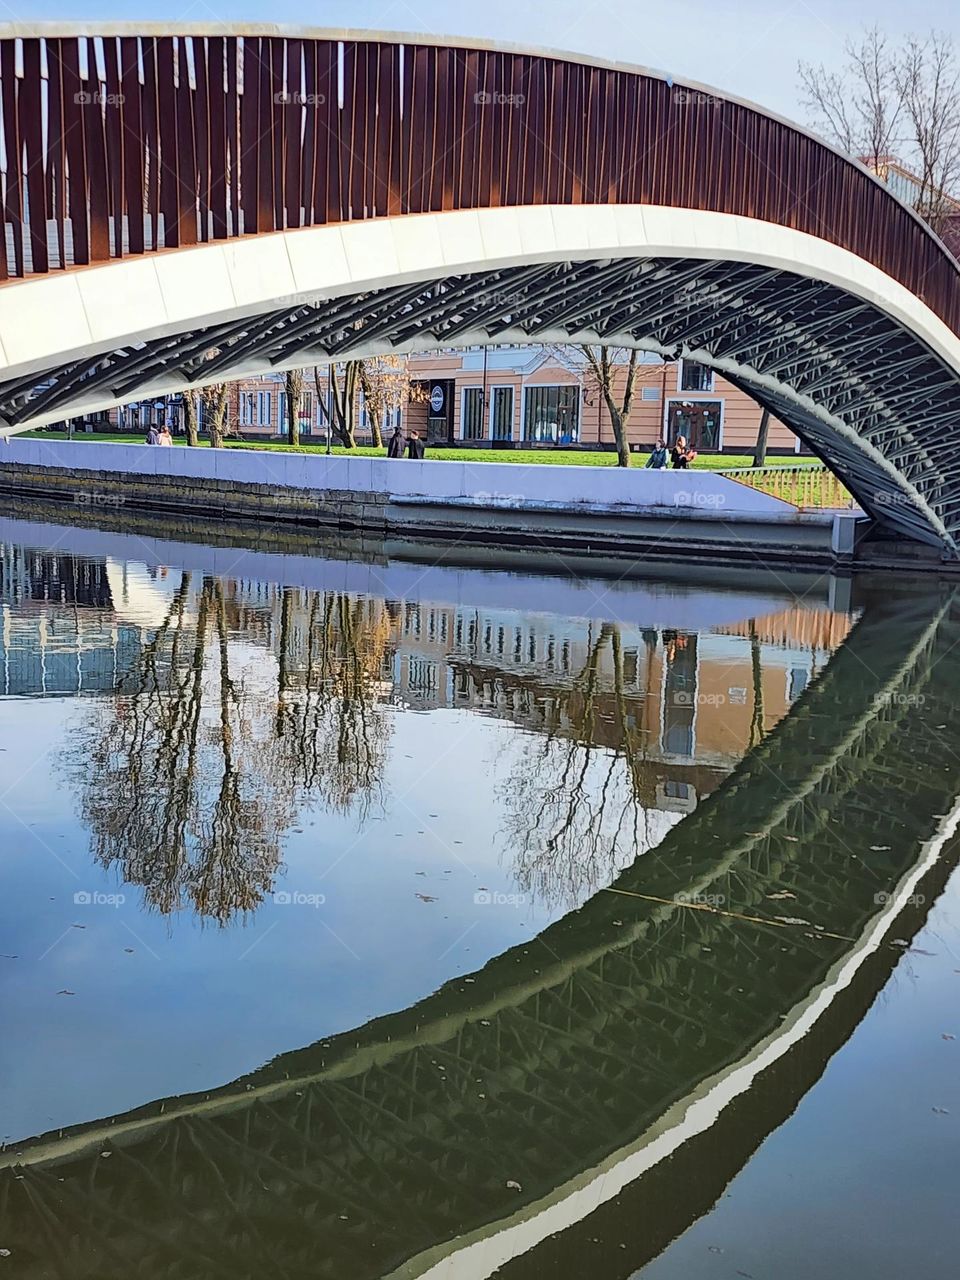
point(884, 104)
point(385, 383)
point(860, 106)
point(612, 374)
point(344, 381)
point(190, 418)
point(928, 80)
point(214, 399)
point(294, 388)
point(763, 433)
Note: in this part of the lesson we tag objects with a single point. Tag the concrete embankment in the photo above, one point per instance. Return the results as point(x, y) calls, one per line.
point(666, 515)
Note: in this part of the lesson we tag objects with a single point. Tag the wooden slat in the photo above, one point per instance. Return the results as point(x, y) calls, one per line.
point(76, 152)
point(149, 111)
point(201, 126)
point(186, 151)
point(169, 155)
point(217, 99)
point(293, 113)
point(113, 137)
point(132, 142)
point(95, 146)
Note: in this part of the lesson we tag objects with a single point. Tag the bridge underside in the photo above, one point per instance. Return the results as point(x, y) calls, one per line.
point(867, 395)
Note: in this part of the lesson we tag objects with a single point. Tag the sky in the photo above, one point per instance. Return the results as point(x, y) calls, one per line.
point(746, 47)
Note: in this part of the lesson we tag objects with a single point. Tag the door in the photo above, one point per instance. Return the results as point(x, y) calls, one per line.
point(698, 420)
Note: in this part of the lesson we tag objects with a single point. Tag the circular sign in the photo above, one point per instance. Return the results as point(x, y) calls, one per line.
point(436, 399)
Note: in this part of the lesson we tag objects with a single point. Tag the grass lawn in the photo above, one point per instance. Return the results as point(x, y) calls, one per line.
point(585, 458)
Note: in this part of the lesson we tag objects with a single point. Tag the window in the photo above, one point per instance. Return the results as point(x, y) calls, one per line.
point(551, 415)
point(502, 413)
point(263, 408)
point(471, 417)
point(246, 408)
point(695, 377)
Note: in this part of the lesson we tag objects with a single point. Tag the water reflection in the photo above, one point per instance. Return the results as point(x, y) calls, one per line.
point(750, 826)
point(233, 706)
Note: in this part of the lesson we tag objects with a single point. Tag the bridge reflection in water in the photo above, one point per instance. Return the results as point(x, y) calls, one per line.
point(663, 1027)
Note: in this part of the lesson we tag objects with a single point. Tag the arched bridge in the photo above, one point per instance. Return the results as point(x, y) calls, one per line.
point(594, 1061)
point(255, 199)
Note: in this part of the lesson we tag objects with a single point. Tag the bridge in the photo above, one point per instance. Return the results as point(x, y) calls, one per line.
point(591, 1064)
point(187, 205)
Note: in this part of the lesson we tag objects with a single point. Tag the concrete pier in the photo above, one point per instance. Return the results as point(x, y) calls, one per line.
point(597, 510)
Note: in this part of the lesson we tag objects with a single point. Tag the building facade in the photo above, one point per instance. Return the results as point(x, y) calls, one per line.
point(505, 397)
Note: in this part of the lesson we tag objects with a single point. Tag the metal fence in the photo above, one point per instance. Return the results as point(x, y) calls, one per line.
point(802, 486)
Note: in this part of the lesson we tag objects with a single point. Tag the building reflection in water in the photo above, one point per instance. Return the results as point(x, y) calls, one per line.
point(226, 707)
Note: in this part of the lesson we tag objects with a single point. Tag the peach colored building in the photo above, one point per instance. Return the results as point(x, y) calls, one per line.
point(535, 396)
point(510, 397)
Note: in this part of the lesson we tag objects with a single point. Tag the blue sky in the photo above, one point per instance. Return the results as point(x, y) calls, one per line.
point(748, 47)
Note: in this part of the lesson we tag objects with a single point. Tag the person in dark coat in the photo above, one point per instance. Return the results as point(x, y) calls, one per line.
point(415, 447)
point(396, 443)
point(658, 456)
point(153, 436)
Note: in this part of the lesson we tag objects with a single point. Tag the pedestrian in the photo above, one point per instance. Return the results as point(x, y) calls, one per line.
point(165, 437)
point(153, 435)
point(415, 447)
point(396, 443)
point(658, 456)
point(680, 454)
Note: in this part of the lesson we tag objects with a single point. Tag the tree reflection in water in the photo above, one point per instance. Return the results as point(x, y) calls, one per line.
point(247, 705)
point(577, 806)
point(193, 772)
point(330, 728)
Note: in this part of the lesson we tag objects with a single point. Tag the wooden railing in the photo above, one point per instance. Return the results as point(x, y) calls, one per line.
point(802, 486)
point(124, 142)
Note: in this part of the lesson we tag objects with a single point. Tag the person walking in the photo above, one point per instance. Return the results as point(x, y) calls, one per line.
point(658, 456)
point(415, 447)
point(396, 443)
point(153, 435)
point(165, 437)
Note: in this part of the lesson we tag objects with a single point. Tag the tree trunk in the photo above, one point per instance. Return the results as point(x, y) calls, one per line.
point(760, 453)
point(619, 431)
point(294, 388)
point(218, 418)
point(190, 418)
point(372, 407)
point(344, 403)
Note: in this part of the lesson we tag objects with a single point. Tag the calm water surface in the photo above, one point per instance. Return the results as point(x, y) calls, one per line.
point(368, 919)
